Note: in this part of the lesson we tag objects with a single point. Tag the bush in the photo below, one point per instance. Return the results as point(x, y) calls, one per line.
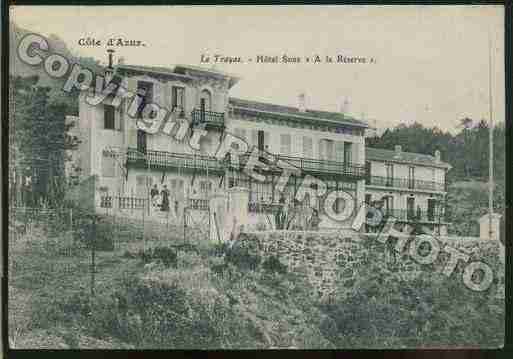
point(166, 255)
point(273, 265)
point(243, 254)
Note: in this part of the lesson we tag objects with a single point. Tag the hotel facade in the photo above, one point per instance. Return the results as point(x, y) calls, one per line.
point(329, 146)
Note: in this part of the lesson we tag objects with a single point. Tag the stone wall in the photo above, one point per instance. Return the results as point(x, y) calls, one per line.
point(329, 260)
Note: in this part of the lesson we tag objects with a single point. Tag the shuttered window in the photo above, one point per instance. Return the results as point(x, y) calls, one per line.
point(307, 147)
point(285, 140)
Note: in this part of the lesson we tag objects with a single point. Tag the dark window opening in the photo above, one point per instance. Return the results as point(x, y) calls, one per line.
point(178, 98)
point(109, 117)
point(145, 91)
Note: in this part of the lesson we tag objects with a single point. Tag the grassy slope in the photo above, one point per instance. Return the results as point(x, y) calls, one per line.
point(50, 306)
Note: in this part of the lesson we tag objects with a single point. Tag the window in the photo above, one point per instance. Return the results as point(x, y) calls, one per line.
point(205, 187)
point(339, 151)
point(390, 174)
point(285, 143)
point(178, 98)
point(109, 120)
point(348, 152)
point(144, 90)
point(108, 166)
point(368, 174)
point(205, 100)
point(411, 177)
point(431, 209)
point(260, 140)
point(389, 204)
point(254, 138)
point(307, 147)
point(410, 207)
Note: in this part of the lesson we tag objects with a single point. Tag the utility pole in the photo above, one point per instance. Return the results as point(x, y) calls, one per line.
point(490, 165)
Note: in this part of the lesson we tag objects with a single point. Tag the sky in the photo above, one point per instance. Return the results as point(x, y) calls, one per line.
point(431, 63)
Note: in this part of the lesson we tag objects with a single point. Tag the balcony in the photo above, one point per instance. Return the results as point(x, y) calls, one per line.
point(162, 160)
point(262, 207)
point(318, 168)
point(421, 216)
point(405, 183)
point(211, 119)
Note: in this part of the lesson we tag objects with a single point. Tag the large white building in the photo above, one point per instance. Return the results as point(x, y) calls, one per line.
point(329, 146)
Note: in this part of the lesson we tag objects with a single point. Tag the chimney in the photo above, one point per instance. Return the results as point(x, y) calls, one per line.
point(301, 102)
point(398, 150)
point(110, 51)
point(437, 156)
point(110, 70)
point(344, 107)
point(121, 60)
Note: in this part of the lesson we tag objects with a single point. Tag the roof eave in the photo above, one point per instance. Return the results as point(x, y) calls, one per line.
point(362, 125)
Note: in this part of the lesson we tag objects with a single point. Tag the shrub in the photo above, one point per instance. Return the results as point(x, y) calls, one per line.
point(273, 265)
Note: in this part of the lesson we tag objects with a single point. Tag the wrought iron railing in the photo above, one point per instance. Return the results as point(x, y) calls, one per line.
point(199, 204)
point(163, 159)
point(208, 117)
point(421, 216)
point(259, 207)
point(404, 183)
point(316, 166)
point(123, 202)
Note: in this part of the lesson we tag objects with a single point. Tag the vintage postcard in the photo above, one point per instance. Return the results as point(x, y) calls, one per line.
point(256, 177)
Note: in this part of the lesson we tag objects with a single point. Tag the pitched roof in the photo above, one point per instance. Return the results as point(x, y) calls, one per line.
point(153, 69)
point(295, 112)
point(378, 154)
point(180, 71)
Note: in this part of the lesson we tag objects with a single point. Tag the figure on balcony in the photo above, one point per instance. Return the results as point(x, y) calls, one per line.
point(165, 199)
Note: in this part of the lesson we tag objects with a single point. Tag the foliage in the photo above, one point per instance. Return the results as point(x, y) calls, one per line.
point(467, 151)
point(385, 309)
point(38, 141)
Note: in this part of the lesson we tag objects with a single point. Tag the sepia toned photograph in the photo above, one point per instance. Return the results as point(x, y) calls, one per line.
point(256, 177)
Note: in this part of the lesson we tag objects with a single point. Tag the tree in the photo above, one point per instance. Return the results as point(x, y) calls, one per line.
point(38, 140)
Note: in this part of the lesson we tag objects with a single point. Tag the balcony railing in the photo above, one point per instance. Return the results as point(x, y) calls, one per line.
point(318, 167)
point(163, 159)
point(421, 216)
point(215, 119)
point(405, 183)
point(259, 207)
point(201, 204)
point(123, 202)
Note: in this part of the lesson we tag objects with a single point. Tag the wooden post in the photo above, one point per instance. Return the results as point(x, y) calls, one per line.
point(93, 253)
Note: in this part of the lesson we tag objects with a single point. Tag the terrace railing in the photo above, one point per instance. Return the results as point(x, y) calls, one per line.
point(207, 117)
point(201, 204)
point(421, 216)
point(405, 183)
point(320, 167)
point(163, 159)
point(123, 202)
